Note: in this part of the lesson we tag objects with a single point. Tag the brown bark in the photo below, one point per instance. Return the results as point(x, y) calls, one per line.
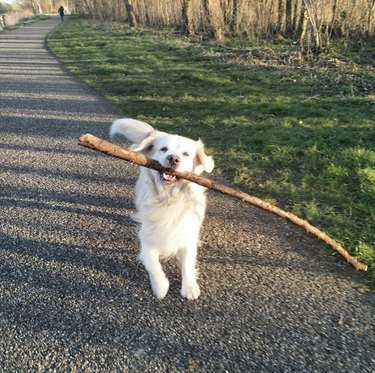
point(213, 20)
point(187, 18)
point(106, 147)
point(370, 12)
point(36, 7)
point(147, 15)
point(315, 26)
point(288, 18)
point(234, 21)
point(301, 21)
point(281, 16)
point(225, 6)
point(295, 17)
point(331, 26)
point(131, 15)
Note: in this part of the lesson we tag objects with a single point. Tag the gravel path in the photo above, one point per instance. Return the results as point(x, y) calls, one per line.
point(73, 297)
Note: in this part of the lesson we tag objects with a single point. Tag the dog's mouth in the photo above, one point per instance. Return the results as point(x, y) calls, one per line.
point(168, 179)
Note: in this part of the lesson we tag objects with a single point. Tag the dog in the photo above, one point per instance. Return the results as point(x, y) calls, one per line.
point(170, 210)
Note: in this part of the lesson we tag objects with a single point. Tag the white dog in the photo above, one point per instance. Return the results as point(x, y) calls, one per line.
point(170, 210)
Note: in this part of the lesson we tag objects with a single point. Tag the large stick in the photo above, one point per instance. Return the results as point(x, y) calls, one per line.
point(106, 147)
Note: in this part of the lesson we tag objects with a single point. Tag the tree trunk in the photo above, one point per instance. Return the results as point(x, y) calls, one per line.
point(312, 29)
point(288, 17)
point(301, 21)
point(97, 13)
point(131, 15)
point(332, 23)
point(225, 8)
point(234, 20)
point(187, 18)
point(164, 13)
point(37, 9)
point(295, 18)
point(304, 38)
point(147, 15)
point(213, 21)
point(281, 17)
point(371, 5)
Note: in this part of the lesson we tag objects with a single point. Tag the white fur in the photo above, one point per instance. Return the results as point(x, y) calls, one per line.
point(171, 214)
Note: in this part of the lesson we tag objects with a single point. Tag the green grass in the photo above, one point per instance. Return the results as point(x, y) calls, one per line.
point(299, 136)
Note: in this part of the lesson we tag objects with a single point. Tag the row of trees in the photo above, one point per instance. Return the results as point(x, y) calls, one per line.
point(4, 8)
point(313, 23)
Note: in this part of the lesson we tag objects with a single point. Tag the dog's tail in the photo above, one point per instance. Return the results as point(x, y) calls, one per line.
point(134, 130)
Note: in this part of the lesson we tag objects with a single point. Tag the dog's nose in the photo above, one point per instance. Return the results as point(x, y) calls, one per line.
point(173, 159)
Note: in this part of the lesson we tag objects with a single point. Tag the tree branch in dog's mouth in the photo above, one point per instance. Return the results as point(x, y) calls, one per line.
point(92, 142)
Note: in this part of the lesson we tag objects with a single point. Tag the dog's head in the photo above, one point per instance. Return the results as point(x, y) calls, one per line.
point(171, 151)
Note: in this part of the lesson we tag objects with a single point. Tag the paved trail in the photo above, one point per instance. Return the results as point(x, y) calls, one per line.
point(73, 296)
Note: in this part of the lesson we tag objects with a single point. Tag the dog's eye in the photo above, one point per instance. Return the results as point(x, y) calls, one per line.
point(185, 154)
point(164, 149)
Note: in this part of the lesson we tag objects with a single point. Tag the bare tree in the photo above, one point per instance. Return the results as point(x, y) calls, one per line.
point(36, 7)
point(131, 15)
point(288, 17)
point(370, 14)
point(234, 19)
point(146, 9)
point(331, 25)
point(187, 17)
point(213, 19)
point(312, 27)
point(281, 16)
point(313, 22)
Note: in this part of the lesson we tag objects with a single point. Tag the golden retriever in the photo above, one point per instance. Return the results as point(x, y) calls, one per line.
point(170, 210)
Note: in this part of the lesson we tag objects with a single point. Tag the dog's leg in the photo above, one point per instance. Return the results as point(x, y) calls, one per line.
point(189, 288)
point(159, 281)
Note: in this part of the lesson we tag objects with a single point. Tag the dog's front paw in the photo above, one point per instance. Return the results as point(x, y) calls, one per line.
point(190, 291)
point(160, 287)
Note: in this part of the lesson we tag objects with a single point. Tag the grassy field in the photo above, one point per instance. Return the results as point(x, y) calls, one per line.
point(297, 135)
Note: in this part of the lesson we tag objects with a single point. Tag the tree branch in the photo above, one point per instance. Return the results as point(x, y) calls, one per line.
point(106, 147)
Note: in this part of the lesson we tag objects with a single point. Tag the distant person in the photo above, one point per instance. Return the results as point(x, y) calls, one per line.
point(61, 12)
point(1, 22)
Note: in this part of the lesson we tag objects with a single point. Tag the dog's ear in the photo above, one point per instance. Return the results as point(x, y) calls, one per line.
point(203, 162)
point(147, 144)
point(134, 130)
